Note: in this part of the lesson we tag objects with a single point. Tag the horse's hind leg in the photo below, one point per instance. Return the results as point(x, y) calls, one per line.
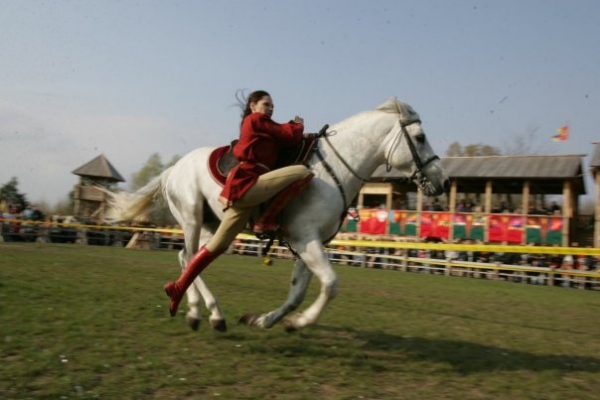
point(301, 277)
point(198, 289)
point(192, 317)
point(216, 319)
point(196, 232)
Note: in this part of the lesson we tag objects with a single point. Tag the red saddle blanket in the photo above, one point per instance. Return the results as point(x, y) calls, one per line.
point(222, 160)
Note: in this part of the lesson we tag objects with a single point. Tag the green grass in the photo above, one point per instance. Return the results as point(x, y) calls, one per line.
point(92, 322)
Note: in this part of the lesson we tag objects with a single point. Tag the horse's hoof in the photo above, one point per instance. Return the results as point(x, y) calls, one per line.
point(248, 319)
point(219, 325)
point(193, 323)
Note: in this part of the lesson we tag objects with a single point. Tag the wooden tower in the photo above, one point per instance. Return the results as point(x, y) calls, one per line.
point(90, 202)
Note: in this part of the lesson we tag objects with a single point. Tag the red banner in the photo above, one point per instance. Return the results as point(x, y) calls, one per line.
point(373, 221)
point(435, 224)
point(510, 228)
point(505, 228)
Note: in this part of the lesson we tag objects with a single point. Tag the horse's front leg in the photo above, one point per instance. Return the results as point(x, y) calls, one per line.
point(316, 260)
point(300, 280)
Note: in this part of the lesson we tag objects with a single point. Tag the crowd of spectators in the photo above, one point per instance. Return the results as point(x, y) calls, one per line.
point(504, 207)
point(21, 224)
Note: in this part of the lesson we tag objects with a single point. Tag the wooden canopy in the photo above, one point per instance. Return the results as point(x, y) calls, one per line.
point(546, 174)
point(495, 175)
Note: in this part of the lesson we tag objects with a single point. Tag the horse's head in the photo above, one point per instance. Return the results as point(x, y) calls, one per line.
point(407, 147)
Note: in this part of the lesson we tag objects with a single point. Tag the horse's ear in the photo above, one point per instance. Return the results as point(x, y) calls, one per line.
point(398, 104)
point(407, 113)
point(390, 105)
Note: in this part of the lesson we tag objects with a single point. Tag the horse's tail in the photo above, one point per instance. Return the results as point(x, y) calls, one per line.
point(126, 206)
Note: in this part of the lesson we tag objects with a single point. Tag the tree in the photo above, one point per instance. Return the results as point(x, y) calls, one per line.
point(10, 194)
point(526, 144)
point(152, 168)
point(454, 150)
point(173, 161)
point(471, 150)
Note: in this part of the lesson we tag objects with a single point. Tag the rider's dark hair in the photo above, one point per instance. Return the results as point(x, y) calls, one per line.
point(245, 101)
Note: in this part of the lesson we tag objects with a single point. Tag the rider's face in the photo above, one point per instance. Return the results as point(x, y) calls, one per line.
point(263, 106)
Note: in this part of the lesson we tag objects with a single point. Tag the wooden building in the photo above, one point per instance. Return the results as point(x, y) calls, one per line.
point(490, 181)
point(90, 202)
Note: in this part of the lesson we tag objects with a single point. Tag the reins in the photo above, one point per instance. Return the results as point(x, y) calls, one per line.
point(363, 180)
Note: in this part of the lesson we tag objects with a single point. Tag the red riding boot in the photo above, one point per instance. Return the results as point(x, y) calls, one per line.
point(176, 290)
point(267, 221)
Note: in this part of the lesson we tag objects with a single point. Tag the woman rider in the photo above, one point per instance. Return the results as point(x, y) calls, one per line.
point(253, 181)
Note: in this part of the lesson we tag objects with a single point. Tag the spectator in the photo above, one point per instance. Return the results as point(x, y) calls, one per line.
point(554, 209)
point(36, 214)
point(567, 264)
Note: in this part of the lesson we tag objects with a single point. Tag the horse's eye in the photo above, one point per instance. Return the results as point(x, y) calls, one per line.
point(420, 138)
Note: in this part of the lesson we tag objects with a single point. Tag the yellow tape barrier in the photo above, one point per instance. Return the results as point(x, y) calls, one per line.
point(592, 251)
point(96, 227)
point(494, 248)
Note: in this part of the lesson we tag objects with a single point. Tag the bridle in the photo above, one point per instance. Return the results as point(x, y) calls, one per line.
point(418, 176)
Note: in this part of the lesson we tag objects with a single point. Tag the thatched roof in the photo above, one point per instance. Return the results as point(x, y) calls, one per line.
point(99, 167)
point(547, 170)
point(528, 167)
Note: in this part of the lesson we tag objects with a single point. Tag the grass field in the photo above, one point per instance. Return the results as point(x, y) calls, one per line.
point(92, 322)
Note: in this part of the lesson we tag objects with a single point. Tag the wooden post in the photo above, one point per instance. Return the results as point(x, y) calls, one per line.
point(452, 208)
point(77, 200)
point(488, 209)
point(419, 210)
point(388, 206)
point(361, 199)
point(597, 213)
point(567, 212)
point(525, 208)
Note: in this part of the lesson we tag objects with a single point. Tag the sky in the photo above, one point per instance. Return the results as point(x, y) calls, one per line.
point(131, 78)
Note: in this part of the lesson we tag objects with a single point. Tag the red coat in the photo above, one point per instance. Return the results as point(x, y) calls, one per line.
point(261, 139)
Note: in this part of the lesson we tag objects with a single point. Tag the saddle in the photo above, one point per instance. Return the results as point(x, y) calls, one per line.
point(222, 160)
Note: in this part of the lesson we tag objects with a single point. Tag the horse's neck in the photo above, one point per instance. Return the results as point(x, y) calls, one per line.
point(360, 144)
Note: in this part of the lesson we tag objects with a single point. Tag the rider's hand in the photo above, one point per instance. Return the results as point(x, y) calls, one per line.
point(299, 120)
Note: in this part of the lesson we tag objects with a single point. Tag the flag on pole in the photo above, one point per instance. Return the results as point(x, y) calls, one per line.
point(563, 134)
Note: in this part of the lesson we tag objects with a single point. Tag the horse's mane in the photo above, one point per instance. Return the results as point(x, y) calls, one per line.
point(395, 106)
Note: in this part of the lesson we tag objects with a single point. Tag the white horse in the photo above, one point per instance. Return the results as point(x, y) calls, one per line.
point(346, 158)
